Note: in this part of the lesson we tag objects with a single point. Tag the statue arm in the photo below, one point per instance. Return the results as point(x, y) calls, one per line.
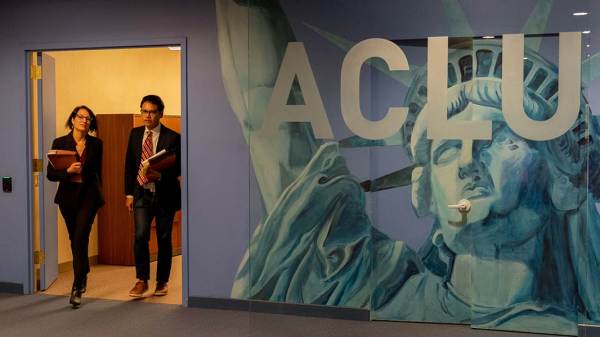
point(252, 41)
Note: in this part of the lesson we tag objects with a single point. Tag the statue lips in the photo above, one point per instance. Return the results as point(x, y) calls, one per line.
point(476, 190)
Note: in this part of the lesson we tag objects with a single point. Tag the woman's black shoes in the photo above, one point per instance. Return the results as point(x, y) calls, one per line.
point(76, 292)
point(75, 298)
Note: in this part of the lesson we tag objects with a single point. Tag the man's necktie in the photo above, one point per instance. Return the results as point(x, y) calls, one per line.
point(147, 152)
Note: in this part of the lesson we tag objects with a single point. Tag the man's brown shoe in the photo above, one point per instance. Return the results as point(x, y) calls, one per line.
point(161, 289)
point(139, 289)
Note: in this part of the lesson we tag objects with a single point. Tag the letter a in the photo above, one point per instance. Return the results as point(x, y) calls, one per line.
point(295, 64)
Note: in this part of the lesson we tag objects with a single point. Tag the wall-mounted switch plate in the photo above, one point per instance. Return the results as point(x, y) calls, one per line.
point(7, 184)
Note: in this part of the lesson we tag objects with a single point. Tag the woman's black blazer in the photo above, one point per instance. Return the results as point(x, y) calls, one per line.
point(68, 192)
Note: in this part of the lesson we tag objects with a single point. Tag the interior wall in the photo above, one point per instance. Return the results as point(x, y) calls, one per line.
point(112, 81)
point(214, 152)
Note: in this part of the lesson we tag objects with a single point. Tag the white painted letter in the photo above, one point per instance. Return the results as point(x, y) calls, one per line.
point(438, 125)
point(350, 89)
point(295, 64)
point(569, 88)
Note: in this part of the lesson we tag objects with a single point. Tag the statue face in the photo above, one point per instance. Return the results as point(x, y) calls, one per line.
point(491, 174)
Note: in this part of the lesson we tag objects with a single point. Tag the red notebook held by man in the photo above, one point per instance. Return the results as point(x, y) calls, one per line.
point(62, 159)
point(160, 161)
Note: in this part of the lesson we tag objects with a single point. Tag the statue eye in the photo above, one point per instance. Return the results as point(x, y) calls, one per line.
point(447, 155)
point(505, 138)
point(446, 152)
point(323, 180)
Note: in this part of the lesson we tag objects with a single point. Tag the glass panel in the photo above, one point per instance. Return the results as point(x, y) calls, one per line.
point(310, 250)
point(586, 235)
point(381, 225)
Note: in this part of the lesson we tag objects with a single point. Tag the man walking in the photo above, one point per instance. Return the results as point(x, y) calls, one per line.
point(152, 194)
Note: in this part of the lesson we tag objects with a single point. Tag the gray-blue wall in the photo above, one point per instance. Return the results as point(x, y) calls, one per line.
point(217, 156)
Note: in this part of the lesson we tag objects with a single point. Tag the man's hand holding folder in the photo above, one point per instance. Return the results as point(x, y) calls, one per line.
point(160, 161)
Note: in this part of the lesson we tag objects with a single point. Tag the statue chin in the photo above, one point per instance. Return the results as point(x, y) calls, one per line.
point(460, 229)
point(479, 211)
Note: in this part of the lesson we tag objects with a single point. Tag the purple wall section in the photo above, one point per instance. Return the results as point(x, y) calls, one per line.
point(217, 157)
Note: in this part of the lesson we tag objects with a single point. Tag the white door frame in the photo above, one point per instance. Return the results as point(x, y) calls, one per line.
point(46, 47)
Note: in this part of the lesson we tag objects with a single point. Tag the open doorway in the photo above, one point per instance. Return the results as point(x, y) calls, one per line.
point(111, 82)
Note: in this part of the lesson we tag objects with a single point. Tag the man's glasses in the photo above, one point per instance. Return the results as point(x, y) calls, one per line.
point(148, 112)
point(84, 118)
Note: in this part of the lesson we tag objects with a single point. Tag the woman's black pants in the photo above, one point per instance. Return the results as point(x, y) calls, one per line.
point(79, 219)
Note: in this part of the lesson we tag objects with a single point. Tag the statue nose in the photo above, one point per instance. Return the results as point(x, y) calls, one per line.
point(470, 170)
point(466, 153)
point(474, 159)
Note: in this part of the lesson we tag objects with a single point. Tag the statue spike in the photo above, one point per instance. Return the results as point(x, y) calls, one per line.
point(356, 141)
point(536, 24)
point(402, 177)
point(404, 77)
point(457, 20)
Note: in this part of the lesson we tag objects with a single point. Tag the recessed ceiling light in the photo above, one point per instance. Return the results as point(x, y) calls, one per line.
point(580, 13)
point(489, 37)
point(587, 45)
point(525, 58)
point(174, 47)
point(586, 32)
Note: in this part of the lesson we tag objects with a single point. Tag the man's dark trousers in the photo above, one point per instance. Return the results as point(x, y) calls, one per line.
point(146, 209)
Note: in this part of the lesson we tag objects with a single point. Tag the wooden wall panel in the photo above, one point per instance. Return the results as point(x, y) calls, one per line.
point(115, 224)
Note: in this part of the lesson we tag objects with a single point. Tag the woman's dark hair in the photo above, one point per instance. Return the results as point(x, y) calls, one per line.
point(93, 123)
point(154, 99)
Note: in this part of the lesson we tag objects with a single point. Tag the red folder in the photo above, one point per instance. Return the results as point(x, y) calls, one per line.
point(160, 161)
point(62, 159)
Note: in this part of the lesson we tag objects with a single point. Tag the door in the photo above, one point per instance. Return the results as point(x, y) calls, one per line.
point(46, 134)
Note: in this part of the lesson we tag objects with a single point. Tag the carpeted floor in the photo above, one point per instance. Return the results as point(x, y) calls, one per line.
point(50, 315)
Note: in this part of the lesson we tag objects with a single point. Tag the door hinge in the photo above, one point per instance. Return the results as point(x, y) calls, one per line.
point(39, 257)
point(36, 72)
point(36, 165)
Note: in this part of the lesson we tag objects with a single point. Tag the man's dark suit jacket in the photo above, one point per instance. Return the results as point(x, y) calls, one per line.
point(69, 192)
point(168, 191)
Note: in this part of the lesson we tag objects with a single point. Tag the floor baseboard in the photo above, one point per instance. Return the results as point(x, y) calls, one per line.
point(11, 288)
point(280, 308)
point(588, 330)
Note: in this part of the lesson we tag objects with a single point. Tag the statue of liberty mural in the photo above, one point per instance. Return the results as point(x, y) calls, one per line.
point(525, 257)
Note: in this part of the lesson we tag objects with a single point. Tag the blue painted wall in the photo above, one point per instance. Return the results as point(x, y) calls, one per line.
point(218, 161)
